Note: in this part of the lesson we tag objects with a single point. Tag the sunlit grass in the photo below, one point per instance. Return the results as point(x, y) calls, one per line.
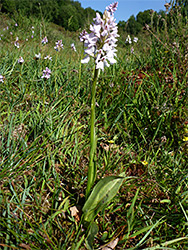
point(141, 110)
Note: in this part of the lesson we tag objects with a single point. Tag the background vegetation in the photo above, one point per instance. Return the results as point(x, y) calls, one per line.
point(142, 127)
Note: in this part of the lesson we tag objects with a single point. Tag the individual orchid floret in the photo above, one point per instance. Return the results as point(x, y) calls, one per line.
point(73, 47)
point(46, 73)
point(59, 45)
point(16, 44)
point(16, 24)
point(112, 7)
point(132, 50)
point(37, 56)
point(128, 40)
point(44, 40)
point(1, 78)
point(83, 35)
point(135, 40)
point(20, 60)
point(101, 42)
point(48, 58)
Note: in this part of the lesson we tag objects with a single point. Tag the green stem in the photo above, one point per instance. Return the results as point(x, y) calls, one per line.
point(93, 140)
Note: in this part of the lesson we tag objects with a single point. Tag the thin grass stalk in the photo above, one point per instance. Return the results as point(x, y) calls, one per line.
point(93, 139)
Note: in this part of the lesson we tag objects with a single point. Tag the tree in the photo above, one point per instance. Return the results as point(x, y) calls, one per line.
point(133, 27)
point(144, 17)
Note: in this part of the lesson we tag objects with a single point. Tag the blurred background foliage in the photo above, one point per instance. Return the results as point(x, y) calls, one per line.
point(70, 14)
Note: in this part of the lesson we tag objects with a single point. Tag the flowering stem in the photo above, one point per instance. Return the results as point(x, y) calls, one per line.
point(93, 139)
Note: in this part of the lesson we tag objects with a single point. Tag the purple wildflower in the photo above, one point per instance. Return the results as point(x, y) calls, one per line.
point(128, 40)
point(46, 73)
point(16, 24)
point(16, 43)
point(112, 7)
point(37, 56)
point(1, 78)
point(132, 50)
point(59, 45)
point(101, 42)
point(20, 60)
point(83, 35)
point(44, 40)
point(73, 47)
point(135, 40)
point(48, 58)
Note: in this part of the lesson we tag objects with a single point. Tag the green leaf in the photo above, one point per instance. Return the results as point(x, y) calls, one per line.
point(91, 235)
point(102, 193)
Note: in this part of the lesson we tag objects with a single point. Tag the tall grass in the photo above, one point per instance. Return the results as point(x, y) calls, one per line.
point(142, 126)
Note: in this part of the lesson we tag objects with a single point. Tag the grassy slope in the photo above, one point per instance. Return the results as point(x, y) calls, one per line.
point(141, 123)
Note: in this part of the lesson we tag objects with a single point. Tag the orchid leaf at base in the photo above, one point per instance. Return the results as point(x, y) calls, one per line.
point(103, 192)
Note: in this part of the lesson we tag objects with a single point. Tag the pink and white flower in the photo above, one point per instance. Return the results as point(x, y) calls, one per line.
point(46, 73)
point(135, 40)
point(44, 40)
point(16, 43)
point(59, 45)
point(101, 42)
point(128, 40)
point(73, 47)
point(48, 58)
point(1, 78)
point(20, 60)
point(112, 7)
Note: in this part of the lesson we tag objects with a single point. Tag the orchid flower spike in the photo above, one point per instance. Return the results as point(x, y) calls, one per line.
point(100, 43)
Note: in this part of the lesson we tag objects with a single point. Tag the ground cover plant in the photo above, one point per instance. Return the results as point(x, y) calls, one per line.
point(141, 124)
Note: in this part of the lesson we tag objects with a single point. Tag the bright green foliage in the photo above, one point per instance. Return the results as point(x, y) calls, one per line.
point(68, 14)
point(101, 195)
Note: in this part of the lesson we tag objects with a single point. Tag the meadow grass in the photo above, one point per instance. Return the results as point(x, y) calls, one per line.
point(142, 127)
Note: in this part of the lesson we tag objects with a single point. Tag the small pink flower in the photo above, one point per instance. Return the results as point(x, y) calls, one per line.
point(46, 73)
point(112, 7)
point(44, 40)
point(73, 47)
point(59, 45)
point(1, 78)
point(135, 40)
point(20, 60)
point(16, 43)
point(48, 58)
point(37, 56)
